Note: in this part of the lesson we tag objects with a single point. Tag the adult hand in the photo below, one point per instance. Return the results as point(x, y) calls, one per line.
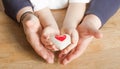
point(33, 30)
point(87, 30)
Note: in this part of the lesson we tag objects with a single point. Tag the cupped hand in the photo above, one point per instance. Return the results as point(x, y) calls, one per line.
point(33, 30)
point(88, 29)
point(74, 40)
point(46, 35)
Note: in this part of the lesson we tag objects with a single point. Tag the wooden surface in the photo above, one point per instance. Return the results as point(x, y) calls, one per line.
point(16, 53)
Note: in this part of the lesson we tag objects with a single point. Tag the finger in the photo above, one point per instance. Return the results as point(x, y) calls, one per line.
point(60, 59)
point(51, 47)
point(50, 57)
point(48, 47)
point(39, 48)
point(74, 41)
point(68, 58)
point(66, 50)
point(47, 43)
point(45, 54)
point(76, 52)
point(45, 40)
point(54, 48)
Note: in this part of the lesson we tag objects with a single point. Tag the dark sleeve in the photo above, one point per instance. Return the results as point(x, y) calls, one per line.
point(104, 9)
point(13, 6)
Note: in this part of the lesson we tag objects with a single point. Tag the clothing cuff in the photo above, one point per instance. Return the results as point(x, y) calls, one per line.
point(79, 1)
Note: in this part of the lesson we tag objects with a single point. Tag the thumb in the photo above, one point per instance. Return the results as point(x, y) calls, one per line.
point(96, 33)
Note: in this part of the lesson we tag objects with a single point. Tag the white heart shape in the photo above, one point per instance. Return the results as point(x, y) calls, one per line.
point(61, 44)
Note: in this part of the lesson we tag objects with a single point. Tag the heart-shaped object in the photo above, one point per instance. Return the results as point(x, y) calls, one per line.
point(60, 37)
point(61, 41)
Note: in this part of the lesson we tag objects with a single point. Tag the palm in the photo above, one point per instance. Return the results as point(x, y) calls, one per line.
point(84, 32)
point(33, 29)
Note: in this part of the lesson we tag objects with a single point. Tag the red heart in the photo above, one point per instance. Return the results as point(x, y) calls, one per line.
point(60, 37)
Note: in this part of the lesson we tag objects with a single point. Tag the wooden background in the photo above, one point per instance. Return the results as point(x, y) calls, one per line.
point(16, 53)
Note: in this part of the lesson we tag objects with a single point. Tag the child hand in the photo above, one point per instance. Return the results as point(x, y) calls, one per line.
point(74, 40)
point(45, 37)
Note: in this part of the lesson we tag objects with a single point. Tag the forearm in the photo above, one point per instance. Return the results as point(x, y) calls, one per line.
point(46, 18)
point(74, 15)
point(14, 6)
point(103, 9)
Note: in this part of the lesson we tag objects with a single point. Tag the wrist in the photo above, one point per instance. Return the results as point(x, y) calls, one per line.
point(97, 22)
point(70, 25)
point(66, 28)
